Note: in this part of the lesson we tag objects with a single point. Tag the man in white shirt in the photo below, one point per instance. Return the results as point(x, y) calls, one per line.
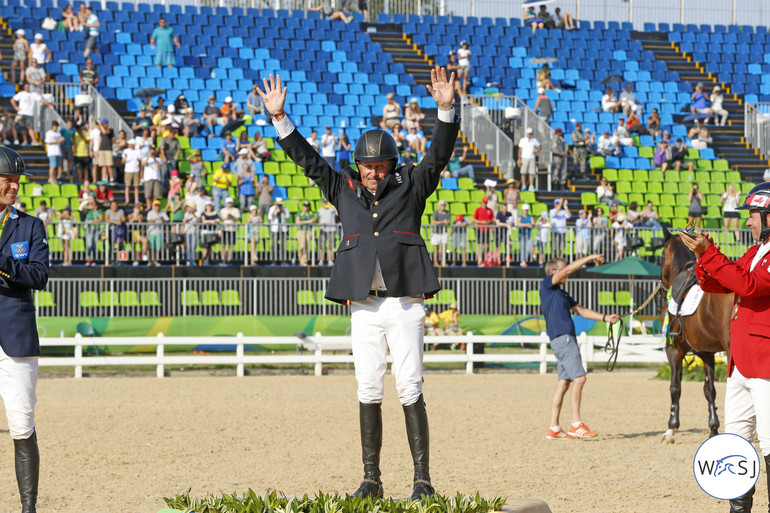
point(559, 215)
point(313, 141)
point(53, 140)
point(628, 101)
point(605, 146)
point(329, 148)
point(529, 147)
point(93, 24)
point(277, 216)
point(720, 118)
point(152, 177)
point(25, 103)
point(35, 77)
point(132, 169)
point(229, 216)
point(609, 102)
point(95, 140)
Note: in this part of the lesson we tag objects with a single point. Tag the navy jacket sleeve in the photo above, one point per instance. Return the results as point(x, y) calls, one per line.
point(32, 273)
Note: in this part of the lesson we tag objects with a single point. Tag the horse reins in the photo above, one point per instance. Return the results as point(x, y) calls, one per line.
point(613, 344)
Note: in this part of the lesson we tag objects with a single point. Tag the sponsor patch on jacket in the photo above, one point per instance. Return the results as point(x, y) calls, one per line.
point(20, 250)
point(350, 184)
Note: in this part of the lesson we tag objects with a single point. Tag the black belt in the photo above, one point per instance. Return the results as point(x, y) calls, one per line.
point(379, 293)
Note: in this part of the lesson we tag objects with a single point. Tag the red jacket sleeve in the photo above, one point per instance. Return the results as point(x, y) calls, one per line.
point(717, 274)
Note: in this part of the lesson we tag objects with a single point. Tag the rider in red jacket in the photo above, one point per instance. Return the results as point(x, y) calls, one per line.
point(747, 399)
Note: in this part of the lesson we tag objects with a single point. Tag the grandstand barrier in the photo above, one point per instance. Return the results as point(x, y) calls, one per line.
point(63, 96)
point(260, 296)
point(477, 125)
point(634, 349)
point(756, 127)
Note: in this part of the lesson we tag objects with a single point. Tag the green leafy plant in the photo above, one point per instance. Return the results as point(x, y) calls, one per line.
point(276, 502)
point(692, 370)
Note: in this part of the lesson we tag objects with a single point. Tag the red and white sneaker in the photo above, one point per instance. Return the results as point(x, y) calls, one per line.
point(557, 435)
point(581, 431)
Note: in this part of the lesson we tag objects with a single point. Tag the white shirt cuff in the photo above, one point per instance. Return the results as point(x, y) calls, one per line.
point(284, 127)
point(447, 116)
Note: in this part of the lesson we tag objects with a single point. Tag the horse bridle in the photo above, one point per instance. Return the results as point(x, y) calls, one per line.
point(613, 344)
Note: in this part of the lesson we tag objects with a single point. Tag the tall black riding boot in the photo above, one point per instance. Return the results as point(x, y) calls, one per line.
point(27, 471)
point(419, 443)
point(370, 418)
point(743, 503)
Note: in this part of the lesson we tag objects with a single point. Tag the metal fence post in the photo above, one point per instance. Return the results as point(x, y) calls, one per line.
point(159, 352)
point(239, 355)
point(78, 356)
point(469, 353)
point(319, 367)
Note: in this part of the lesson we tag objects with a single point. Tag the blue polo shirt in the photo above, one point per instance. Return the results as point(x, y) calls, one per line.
point(556, 305)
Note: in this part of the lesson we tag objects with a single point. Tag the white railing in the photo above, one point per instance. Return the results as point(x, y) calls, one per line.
point(756, 126)
point(486, 135)
point(319, 350)
point(63, 95)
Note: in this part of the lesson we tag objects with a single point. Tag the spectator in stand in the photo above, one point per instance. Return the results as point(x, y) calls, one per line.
point(103, 195)
point(700, 104)
point(604, 192)
point(678, 154)
point(662, 155)
point(259, 149)
point(137, 232)
point(244, 170)
point(80, 151)
point(243, 143)
point(20, 52)
point(35, 76)
point(628, 103)
point(413, 115)
point(252, 233)
point(156, 218)
point(716, 107)
point(181, 105)
point(491, 194)
point(543, 225)
point(93, 220)
point(329, 144)
point(229, 216)
point(93, 25)
point(532, 19)
point(730, 200)
point(44, 212)
point(621, 137)
point(343, 153)
point(305, 220)
point(223, 180)
point(543, 105)
point(529, 147)
point(277, 216)
point(460, 239)
point(544, 78)
point(559, 160)
point(312, 140)
point(559, 215)
point(579, 152)
point(70, 19)
point(439, 237)
point(209, 232)
point(165, 38)
point(512, 196)
point(53, 141)
point(131, 169)
point(483, 217)
point(605, 145)
point(416, 141)
point(620, 226)
point(212, 115)
point(142, 121)
point(228, 149)
point(632, 214)
point(653, 124)
point(391, 113)
point(504, 221)
point(634, 125)
point(399, 137)
point(151, 177)
point(566, 21)
point(648, 218)
point(363, 8)
point(144, 143)
point(25, 103)
point(327, 219)
point(265, 197)
point(409, 157)
point(66, 232)
point(456, 168)
point(464, 60)
point(695, 212)
point(88, 75)
point(191, 221)
point(116, 218)
point(169, 154)
point(197, 171)
point(67, 132)
point(610, 102)
point(590, 144)
point(599, 227)
point(38, 51)
point(582, 233)
point(452, 65)
point(104, 157)
point(525, 225)
point(120, 144)
point(700, 137)
point(192, 126)
point(174, 186)
point(254, 103)
point(328, 12)
point(614, 210)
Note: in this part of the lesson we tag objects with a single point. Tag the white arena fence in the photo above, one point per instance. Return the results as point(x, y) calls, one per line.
point(173, 243)
point(282, 296)
point(318, 351)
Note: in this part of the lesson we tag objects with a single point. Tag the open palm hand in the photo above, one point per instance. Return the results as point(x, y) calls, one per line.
point(274, 94)
point(441, 88)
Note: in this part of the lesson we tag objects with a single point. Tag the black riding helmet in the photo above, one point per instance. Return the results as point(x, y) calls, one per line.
point(376, 145)
point(11, 162)
point(758, 198)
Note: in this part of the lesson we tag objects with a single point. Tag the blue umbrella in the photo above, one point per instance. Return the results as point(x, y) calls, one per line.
point(694, 117)
point(536, 3)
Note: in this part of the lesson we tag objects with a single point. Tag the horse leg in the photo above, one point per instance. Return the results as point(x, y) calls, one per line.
point(674, 354)
point(710, 391)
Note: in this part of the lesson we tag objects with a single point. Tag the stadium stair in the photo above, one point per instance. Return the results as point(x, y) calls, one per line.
point(728, 142)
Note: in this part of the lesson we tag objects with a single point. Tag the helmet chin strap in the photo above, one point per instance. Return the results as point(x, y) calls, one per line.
point(763, 235)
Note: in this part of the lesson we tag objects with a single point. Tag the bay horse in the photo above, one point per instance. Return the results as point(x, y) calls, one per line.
point(703, 333)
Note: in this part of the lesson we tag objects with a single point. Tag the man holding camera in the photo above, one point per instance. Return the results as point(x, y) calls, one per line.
point(559, 215)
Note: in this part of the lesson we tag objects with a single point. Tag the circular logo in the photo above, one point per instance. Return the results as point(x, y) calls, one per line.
point(726, 466)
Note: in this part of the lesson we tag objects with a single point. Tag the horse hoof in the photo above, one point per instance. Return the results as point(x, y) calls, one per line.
point(668, 437)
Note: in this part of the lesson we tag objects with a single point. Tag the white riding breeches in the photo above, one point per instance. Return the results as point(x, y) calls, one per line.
point(381, 323)
point(18, 381)
point(747, 408)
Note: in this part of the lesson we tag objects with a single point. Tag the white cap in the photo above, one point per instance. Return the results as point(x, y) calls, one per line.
point(413, 100)
point(243, 151)
point(209, 202)
point(229, 99)
point(252, 207)
point(540, 90)
point(20, 32)
point(131, 141)
point(38, 36)
point(528, 131)
point(171, 108)
point(228, 200)
point(279, 201)
point(525, 206)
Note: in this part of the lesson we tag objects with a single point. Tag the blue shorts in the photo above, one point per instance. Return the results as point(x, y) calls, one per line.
point(54, 160)
point(569, 365)
point(165, 59)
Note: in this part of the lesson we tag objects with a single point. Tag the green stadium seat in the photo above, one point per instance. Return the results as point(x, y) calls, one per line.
point(606, 298)
point(610, 174)
point(109, 298)
point(231, 297)
point(717, 176)
point(527, 197)
point(596, 162)
point(745, 188)
point(653, 197)
point(646, 152)
point(89, 299)
point(69, 190)
point(321, 300)
point(129, 298)
point(443, 297)
point(656, 176)
point(210, 298)
point(60, 203)
point(625, 175)
point(693, 153)
point(190, 298)
point(666, 211)
point(721, 165)
point(623, 187)
point(718, 187)
point(270, 167)
point(282, 180)
point(517, 297)
point(703, 164)
point(184, 142)
point(533, 298)
point(299, 181)
point(641, 175)
point(465, 183)
point(306, 298)
point(149, 298)
point(278, 155)
point(44, 298)
point(623, 298)
point(288, 168)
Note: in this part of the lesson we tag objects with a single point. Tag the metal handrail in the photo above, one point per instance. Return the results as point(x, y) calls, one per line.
point(63, 96)
point(756, 127)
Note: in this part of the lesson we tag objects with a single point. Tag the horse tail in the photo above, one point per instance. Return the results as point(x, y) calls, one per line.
point(666, 233)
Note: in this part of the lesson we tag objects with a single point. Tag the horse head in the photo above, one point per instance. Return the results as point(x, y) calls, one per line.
point(676, 257)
